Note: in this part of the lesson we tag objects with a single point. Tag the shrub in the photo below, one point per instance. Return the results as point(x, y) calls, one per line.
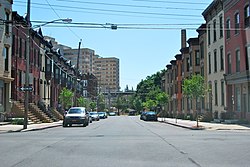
point(17, 121)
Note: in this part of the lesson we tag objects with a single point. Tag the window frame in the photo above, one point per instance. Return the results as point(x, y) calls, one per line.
point(237, 57)
point(237, 23)
point(228, 28)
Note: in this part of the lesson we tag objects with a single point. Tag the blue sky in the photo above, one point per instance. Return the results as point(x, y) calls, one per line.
point(147, 37)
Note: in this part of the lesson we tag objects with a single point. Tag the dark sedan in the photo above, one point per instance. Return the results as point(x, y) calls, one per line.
point(149, 116)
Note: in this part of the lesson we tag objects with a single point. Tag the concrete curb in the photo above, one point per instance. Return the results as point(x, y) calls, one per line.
point(184, 126)
point(32, 129)
point(40, 128)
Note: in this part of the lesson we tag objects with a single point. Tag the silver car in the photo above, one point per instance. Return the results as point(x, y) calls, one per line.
point(76, 115)
point(94, 116)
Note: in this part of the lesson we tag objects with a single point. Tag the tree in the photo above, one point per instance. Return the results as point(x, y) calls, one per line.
point(194, 88)
point(82, 102)
point(150, 104)
point(92, 105)
point(100, 102)
point(137, 104)
point(66, 98)
point(119, 104)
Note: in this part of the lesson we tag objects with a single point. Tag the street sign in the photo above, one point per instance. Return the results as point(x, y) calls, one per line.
point(26, 88)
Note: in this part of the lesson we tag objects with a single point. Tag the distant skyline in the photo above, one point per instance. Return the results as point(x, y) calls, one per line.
point(146, 39)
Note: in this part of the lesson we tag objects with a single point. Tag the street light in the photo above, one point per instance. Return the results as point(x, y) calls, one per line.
point(26, 104)
point(67, 20)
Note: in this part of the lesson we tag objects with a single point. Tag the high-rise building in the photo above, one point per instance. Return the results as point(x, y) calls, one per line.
point(86, 57)
point(107, 72)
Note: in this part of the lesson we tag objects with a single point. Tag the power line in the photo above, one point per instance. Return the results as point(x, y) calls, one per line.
point(111, 14)
point(60, 18)
point(121, 11)
point(174, 2)
point(125, 5)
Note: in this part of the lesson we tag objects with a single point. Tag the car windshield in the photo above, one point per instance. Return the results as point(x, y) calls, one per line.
point(75, 111)
point(93, 113)
point(151, 113)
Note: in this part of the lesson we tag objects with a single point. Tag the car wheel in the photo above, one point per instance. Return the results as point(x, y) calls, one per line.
point(70, 125)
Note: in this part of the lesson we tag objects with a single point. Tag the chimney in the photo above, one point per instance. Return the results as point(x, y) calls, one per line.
point(183, 38)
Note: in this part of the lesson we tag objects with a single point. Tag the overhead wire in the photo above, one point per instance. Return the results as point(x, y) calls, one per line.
point(122, 15)
point(125, 5)
point(174, 2)
point(61, 18)
point(119, 11)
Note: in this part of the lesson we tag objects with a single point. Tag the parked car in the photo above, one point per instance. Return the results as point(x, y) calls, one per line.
point(94, 116)
point(149, 116)
point(132, 113)
point(112, 114)
point(142, 116)
point(102, 115)
point(76, 115)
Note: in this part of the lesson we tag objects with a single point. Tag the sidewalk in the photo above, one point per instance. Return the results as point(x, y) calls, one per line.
point(6, 127)
point(203, 125)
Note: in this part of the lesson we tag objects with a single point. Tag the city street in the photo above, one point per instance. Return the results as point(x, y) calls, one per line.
point(125, 142)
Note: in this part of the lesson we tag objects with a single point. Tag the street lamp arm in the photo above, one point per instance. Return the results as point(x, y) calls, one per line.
point(67, 20)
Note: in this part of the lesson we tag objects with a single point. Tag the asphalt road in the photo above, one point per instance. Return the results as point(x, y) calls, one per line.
point(125, 142)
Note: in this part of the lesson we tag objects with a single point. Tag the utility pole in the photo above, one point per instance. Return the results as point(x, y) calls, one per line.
point(78, 55)
point(77, 69)
point(25, 123)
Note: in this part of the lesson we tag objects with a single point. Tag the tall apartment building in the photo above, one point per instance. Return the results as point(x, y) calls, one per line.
point(214, 16)
point(5, 58)
point(237, 53)
point(86, 58)
point(107, 70)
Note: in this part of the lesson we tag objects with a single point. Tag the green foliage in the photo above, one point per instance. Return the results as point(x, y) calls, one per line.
point(137, 104)
point(92, 105)
point(101, 102)
point(194, 87)
point(66, 97)
point(17, 121)
point(82, 102)
point(150, 104)
point(149, 91)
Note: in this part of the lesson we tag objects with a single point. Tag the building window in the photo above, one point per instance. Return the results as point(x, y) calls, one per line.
point(197, 58)
point(221, 59)
point(187, 64)
point(20, 47)
point(237, 60)
point(209, 34)
point(20, 77)
point(247, 57)
point(190, 60)
point(238, 99)
point(214, 29)
point(209, 63)
point(237, 22)
point(13, 44)
point(6, 58)
point(215, 60)
point(247, 16)
point(222, 93)
point(202, 71)
point(228, 27)
point(7, 19)
point(229, 64)
point(1, 95)
point(202, 50)
point(221, 26)
point(215, 93)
